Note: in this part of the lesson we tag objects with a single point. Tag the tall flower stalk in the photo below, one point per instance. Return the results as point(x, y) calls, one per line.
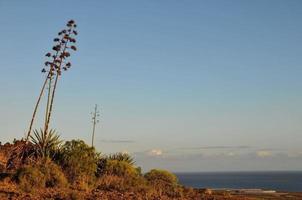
point(35, 109)
point(54, 68)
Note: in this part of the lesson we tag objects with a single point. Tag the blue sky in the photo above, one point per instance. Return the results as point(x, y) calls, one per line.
point(182, 85)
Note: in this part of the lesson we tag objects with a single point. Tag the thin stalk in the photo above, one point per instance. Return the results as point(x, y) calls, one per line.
point(36, 108)
point(54, 90)
point(49, 93)
point(48, 101)
point(51, 103)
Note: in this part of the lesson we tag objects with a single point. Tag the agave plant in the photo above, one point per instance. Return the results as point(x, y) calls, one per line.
point(47, 143)
point(121, 157)
point(57, 62)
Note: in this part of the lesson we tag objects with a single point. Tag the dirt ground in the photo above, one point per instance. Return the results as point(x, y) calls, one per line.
point(10, 192)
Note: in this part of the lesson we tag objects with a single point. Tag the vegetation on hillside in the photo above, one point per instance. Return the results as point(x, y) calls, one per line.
point(75, 168)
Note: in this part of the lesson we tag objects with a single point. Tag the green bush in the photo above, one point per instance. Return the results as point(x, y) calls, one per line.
point(162, 176)
point(164, 182)
point(122, 157)
point(79, 161)
point(39, 175)
point(121, 176)
point(120, 168)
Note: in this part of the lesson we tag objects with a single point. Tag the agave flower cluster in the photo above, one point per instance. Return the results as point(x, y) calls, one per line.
point(63, 43)
point(61, 51)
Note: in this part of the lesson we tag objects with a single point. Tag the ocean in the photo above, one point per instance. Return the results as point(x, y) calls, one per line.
point(279, 181)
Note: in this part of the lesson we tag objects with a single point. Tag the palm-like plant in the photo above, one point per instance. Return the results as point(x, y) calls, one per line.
point(47, 143)
point(122, 157)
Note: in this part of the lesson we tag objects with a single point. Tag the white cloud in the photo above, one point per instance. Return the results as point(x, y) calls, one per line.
point(155, 152)
point(263, 153)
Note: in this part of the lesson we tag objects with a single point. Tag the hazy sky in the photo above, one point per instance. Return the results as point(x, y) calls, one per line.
point(182, 85)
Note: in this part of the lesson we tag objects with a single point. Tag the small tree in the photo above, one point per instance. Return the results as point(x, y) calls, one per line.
point(79, 161)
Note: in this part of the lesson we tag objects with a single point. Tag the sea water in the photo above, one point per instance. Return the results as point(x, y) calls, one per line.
point(279, 181)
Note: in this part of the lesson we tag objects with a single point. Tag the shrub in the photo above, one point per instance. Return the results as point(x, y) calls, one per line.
point(162, 176)
point(53, 174)
point(120, 168)
point(164, 182)
point(123, 157)
point(79, 161)
point(121, 176)
point(41, 174)
point(30, 178)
